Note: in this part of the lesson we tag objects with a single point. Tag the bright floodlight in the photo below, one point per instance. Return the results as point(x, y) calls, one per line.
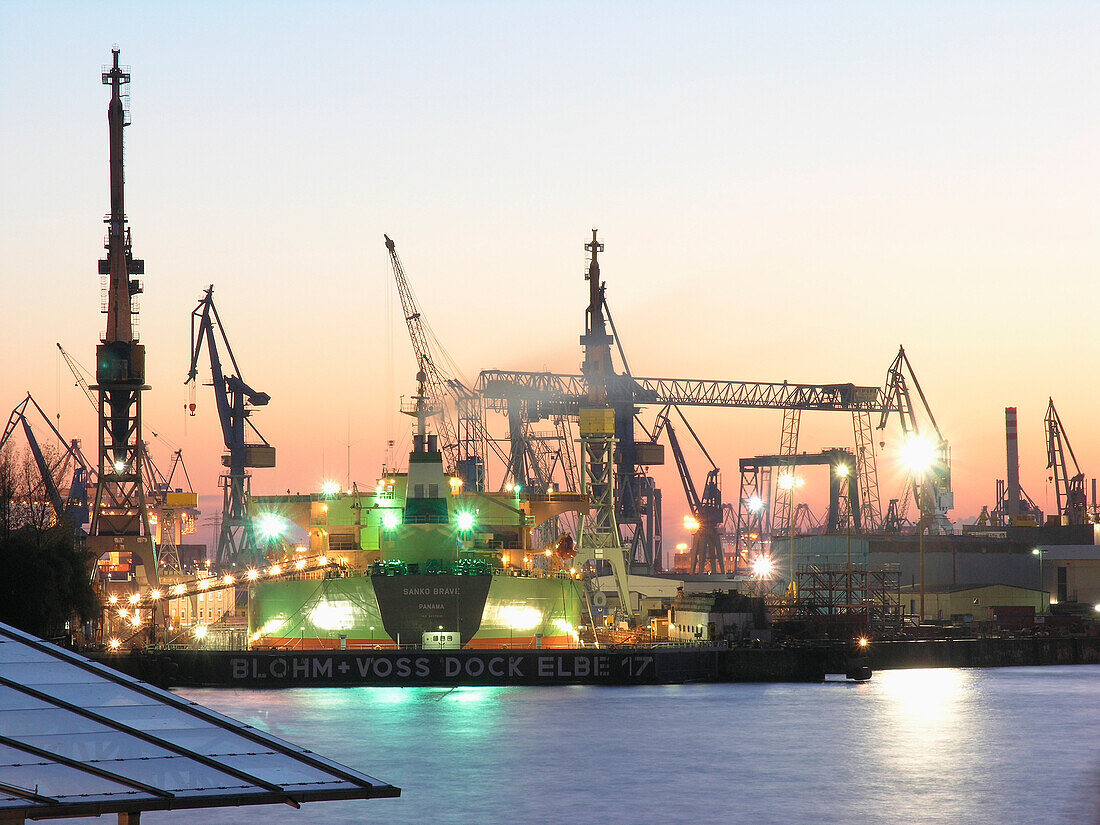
point(390, 520)
point(788, 481)
point(691, 523)
point(464, 520)
point(330, 488)
point(918, 454)
point(1036, 552)
point(762, 567)
point(120, 466)
point(842, 470)
point(864, 641)
point(200, 631)
point(271, 526)
point(755, 503)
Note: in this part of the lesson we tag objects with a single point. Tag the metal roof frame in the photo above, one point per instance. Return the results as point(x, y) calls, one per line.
point(132, 778)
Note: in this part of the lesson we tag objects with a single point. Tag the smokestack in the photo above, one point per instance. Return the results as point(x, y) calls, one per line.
point(1012, 507)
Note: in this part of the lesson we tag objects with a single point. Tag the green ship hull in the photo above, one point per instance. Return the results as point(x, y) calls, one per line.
point(379, 611)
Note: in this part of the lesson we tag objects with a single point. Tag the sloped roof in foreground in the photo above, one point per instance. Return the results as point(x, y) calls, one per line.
point(80, 739)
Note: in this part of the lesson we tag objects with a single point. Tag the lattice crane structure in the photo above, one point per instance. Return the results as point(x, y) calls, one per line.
point(120, 519)
point(455, 406)
point(533, 396)
point(175, 509)
point(930, 484)
point(529, 397)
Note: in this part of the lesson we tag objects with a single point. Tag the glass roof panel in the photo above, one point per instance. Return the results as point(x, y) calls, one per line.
point(73, 749)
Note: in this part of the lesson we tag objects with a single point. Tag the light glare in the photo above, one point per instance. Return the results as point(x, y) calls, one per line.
point(762, 567)
point(918, 454)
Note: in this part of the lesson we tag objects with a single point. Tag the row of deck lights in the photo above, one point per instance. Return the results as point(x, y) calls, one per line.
point(179, 590)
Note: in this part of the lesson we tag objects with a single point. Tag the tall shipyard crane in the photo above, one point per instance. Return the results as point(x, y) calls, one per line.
point(235, 401)
point(928, 457)
point(462, 435)
point(69, 505)
point(707, 512)
point(1069, 489)
point(175, 508)
point(120, 520)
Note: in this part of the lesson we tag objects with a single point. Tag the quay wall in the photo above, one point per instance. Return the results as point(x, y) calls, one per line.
point(993, 652)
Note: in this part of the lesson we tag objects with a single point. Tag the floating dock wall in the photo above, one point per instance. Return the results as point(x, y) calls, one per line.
point(326, 668)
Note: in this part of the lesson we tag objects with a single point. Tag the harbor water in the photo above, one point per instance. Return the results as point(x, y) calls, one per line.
point(1010, 745)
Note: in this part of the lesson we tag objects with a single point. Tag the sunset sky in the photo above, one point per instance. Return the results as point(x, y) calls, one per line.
point(787, 191)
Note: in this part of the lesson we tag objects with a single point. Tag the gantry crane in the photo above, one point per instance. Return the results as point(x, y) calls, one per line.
point(1069, 490)
point(707, 514)
point(235, 401)
point(537, 395)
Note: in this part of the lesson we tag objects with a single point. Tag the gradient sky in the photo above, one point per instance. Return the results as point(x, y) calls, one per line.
point(786, 191)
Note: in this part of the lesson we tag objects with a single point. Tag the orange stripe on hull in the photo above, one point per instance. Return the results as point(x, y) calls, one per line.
point(491, 643)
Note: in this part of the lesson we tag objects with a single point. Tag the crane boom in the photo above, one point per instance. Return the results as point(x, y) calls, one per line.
point(462, 434)
point(81, 375)
point(436, 381)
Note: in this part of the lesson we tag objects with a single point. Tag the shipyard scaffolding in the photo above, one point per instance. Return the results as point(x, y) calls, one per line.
point(119, 518)
point(852, 594)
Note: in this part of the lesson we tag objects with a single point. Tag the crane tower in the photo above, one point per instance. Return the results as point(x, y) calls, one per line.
point(245, 446)
point(120, 521)
point(600, 539)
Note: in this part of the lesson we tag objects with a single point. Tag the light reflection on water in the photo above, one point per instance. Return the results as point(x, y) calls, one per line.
point(917, 746)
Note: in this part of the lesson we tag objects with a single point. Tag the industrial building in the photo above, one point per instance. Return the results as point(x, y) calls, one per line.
point(1071, 573)
point(962, 604)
